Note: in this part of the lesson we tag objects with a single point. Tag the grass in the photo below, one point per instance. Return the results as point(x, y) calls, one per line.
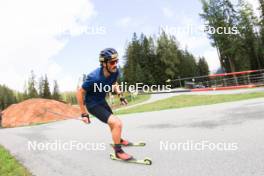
point(189, 100)
point(9, 166)
point(138, 99)
point(131, 101)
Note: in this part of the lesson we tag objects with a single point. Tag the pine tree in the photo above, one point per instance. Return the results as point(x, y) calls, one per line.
point(56, 93)
point(132, 56)
point(154, 62)
point(221, 13)
point(32, 91)
point(41, 87)
point(167, 53)
point(261, 41)
point(7, 97)
point(46, 88)
point(203, 68)
point(248, 55)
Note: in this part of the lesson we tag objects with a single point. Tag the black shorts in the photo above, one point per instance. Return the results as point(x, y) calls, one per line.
point(101, 111)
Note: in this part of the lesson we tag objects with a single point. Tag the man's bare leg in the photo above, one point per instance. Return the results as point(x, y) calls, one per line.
point(116, 130)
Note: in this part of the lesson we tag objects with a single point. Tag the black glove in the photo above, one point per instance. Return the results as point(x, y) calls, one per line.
point(123, 101)
point(87, 116)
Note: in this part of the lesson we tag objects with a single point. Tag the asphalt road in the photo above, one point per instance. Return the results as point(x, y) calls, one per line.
point(216, 140)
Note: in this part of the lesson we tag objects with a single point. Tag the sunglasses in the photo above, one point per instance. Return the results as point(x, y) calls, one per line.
point(113, 62)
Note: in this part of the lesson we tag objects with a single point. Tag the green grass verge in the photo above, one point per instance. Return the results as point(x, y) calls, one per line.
point(131, 101)
point(138, 99)
point(189, 100)
point(9, 166)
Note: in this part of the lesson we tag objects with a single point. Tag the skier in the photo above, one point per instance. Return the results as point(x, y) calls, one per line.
point(95, 102)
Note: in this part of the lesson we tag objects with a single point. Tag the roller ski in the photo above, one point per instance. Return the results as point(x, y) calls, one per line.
point(126, 143)
point(120, 155)
point(145, 161)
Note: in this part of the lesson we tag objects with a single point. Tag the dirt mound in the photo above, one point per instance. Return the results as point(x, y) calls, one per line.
point(37, 110)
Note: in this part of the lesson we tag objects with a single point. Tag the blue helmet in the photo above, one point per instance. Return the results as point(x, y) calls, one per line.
point(108, 54)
